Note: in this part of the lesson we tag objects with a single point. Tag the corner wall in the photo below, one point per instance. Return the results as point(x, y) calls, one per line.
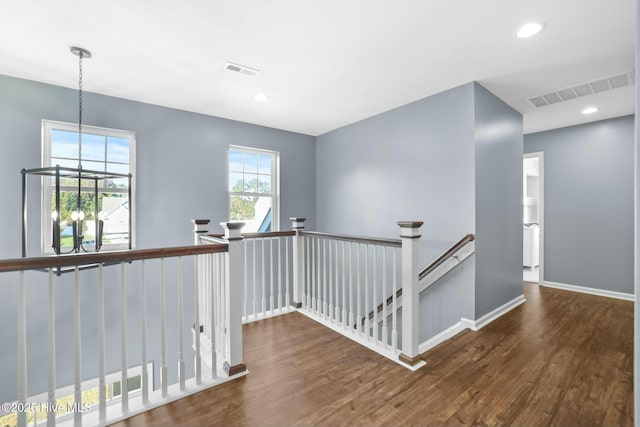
point(498, 201)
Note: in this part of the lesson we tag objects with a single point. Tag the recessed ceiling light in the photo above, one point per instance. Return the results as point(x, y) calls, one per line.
point(261, 97)
point(589, 110)
point(529, 29)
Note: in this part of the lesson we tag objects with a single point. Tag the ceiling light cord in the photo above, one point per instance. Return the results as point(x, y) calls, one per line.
point(80, 55)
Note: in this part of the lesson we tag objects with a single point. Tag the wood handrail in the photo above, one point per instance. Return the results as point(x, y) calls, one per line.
point(445, 256)
point(395, 243)
point(56, 261)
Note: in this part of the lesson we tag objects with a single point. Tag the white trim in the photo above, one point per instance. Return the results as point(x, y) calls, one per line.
point(267, 315)
point(590, 291)
point(47, 187)
point(448, 333)
point(275, 182)
point(115, 414)
point(540, 156)
point(493, 315)
point(389, 353)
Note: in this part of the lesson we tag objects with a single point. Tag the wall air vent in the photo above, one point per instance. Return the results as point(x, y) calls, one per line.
point(237, 68)
point(585, 89)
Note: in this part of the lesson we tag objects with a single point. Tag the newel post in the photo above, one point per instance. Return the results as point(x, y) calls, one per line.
point(297, 224)
point(200, 228)
point(410, 234)
point(234, 272)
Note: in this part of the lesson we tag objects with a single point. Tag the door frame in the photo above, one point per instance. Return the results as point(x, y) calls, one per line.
point(540, 156)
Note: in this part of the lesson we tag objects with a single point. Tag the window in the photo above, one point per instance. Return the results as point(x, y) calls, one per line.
point(64, 405)
point(253, 188)
point(104, 150)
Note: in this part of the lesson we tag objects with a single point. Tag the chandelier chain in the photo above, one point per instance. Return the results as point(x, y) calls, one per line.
point(80, 109)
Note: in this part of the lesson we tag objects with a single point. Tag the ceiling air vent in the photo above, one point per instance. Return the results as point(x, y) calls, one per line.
point(585, 89)
point(242, 69)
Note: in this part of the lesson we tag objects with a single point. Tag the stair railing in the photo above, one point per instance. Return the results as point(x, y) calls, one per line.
point(120, 285)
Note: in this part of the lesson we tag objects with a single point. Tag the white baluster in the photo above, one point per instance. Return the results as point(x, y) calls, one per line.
point(143, 333)
point(287, 300)
point(309, 260)
point(279, 304)
point(124, 386)
point(163, 334)
point(264, 300)
point(253, 276)
point(385, 338)
point(102, 349)
point(375, 292)
point(246, 279)
point(181, 372)
point(367, 285)
point(394, 308)
point(213, 335)
point(218, 314)
point(272, 266)
point(313, 274)
point(324, 278)
point(350, 322)
point(224, 306)
point(319, 276)
point(337, 293)
point(196, 324)
point(359, 294)
point(328, 280)
point(22, 349)
point(344, 285)
point(77, 349)
point(51, 333)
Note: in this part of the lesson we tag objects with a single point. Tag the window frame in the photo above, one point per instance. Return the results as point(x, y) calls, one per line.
point(48, 183)
point(275, 182)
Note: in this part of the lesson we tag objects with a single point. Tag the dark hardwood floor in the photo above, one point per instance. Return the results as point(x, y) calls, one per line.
point(560, 359)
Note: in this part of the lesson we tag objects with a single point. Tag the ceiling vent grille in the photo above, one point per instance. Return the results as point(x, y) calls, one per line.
point(242, 69)
point(585, 89)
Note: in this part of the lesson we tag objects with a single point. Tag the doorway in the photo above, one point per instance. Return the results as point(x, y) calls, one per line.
point(533, 217)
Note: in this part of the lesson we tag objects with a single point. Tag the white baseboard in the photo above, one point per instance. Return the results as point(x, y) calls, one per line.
point(443, 336)
point(493, 315)
point(474, 325)
point(267, 314)
point(352, 334)
point(591, 291)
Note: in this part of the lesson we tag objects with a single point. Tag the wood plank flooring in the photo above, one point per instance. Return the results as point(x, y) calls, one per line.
point(560, 359)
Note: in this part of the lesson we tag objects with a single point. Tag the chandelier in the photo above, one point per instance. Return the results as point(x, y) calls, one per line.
point(80, 177)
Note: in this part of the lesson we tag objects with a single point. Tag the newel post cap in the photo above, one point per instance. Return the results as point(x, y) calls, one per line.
point(297, 223)
point(232, 230)
point(200, 225)
point(410, 229)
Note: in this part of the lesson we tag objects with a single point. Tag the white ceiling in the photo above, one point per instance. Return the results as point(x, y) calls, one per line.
point(326, 63)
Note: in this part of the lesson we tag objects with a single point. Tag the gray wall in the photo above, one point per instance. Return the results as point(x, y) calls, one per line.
point(498, 184)
point(415, 162)
point(588, 206)
point(181, 174)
